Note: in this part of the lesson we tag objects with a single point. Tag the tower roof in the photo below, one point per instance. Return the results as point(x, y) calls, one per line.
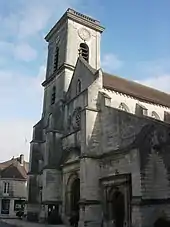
point(77, 17)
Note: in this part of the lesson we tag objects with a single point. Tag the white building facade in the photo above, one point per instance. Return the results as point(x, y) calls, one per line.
point(13, 187)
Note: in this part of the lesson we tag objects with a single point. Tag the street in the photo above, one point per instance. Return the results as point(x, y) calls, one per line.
point(23, 223)
point(3, 224)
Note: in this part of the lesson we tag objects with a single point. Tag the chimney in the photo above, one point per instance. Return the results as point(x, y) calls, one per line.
point(21, 159)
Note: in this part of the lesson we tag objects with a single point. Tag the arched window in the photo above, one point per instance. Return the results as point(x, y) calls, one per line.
point(78, 88)
point(123, 107)
point(155, 115)
point(84, 51)
point(49, 121)
point(56, 58)
point(53, 95)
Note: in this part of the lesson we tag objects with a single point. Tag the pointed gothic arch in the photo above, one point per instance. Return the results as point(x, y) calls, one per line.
point(155, 115)
point(78, 87)
point(124, 107)
point(72, 194)
point(117, 208)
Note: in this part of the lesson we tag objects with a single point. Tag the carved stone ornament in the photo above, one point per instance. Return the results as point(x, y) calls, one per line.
point(76, 118)
point(84, 34)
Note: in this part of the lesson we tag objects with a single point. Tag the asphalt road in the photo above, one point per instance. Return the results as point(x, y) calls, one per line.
point(2, 224)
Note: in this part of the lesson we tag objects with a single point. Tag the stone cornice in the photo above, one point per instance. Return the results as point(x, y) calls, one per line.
point(130, 96)
point(77, 17)
point(54, 131)
point(48, 202)
point(37, 141)
point(63, 66)
point(139, 201)
point(83, 202)
point(70, 163)
point(33, 173)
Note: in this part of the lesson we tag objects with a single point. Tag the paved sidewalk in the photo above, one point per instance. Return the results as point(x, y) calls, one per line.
point(24, 223)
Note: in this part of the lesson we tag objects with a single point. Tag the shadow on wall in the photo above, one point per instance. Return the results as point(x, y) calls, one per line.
point(162, 222)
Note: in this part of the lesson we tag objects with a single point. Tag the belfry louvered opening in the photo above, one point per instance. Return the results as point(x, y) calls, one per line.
point(84, 51)
point(56, 58)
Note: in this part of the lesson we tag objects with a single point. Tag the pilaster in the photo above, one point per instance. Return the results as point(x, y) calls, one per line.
point(90, 201)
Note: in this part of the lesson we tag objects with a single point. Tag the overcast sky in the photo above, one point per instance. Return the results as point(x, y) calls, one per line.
point(135, 45)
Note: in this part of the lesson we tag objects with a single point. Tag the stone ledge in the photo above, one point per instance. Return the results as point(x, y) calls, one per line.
point(138, 201)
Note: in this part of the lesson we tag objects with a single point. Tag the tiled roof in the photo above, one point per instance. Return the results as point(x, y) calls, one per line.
point(13, 169)
point(7, 163)
point(135, 90)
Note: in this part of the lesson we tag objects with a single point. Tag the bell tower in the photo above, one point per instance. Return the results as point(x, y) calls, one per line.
point(73, 35)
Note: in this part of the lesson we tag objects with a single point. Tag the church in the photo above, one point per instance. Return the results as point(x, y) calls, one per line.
point(102, 146)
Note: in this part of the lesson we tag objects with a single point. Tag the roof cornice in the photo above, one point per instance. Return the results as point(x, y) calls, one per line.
point(77, 17)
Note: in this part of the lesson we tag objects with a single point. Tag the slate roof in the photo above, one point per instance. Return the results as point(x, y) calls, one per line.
point(135, 90)
point(87, 65)
point(13, 169)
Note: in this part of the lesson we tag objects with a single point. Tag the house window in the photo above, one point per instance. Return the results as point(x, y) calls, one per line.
point(19, 205)
point(78, 88)
point(84, 51)
point(53, 95)
point(141, 110)
point(6, 187)
point(123, 107)
point(155, 115)
point(5, 205)
point(56, 59)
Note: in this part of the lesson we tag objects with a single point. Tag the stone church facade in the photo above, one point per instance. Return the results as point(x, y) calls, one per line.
point(102, 146)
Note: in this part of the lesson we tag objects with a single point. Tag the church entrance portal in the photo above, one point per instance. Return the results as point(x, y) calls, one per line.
point(118, 208)
point(75, 195)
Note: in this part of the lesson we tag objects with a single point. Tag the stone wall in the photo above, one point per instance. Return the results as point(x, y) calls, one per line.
point(17, 188)
point(52, 186)
point(140, 146)
point(118, 98)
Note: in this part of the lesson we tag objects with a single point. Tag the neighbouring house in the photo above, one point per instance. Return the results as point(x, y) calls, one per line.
point(102, 146)
point(13, 186)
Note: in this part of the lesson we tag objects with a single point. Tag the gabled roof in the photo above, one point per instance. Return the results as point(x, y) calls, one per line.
point(13, 169)
point(135, 90)
point(7, 163)
point(87, 64)
point(131, 88)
